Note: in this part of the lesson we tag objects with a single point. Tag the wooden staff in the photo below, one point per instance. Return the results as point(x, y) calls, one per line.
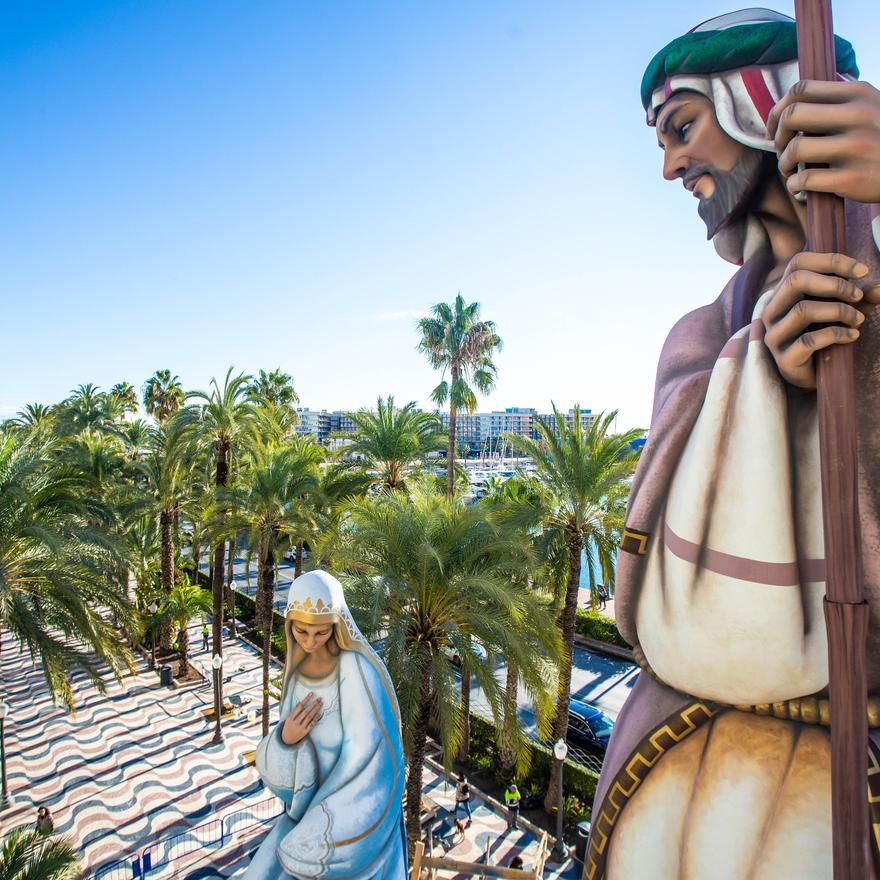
point(846, 612)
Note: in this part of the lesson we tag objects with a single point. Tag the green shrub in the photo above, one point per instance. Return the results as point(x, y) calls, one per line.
point(484, 752)
point(599, 627)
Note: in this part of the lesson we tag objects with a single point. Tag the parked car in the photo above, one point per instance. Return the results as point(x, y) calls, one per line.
point(588, 726)
point(452, 653)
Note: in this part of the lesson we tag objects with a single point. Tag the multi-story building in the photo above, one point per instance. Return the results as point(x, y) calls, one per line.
point(485, 431)
point(478, 431)
point(317, 423)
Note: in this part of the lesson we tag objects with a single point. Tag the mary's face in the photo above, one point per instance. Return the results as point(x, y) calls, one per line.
point(311, 637)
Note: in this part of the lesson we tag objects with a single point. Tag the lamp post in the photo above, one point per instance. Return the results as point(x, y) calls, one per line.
point(217, 664)
point(153, 608)
point(560, 752)
point(5, 801)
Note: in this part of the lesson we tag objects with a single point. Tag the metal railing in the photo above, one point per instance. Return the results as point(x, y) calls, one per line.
point(213, 834)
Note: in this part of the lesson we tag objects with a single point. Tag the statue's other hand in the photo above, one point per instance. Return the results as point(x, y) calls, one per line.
point(846, 115)
point(840, 294)
point(304, 716)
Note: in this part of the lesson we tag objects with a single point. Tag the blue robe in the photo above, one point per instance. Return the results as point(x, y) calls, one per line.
point(342, 784)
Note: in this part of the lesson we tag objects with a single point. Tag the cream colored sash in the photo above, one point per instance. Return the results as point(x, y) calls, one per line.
point(731, 605)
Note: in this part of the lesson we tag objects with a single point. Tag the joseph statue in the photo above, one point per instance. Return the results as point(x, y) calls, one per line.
point(719, 766)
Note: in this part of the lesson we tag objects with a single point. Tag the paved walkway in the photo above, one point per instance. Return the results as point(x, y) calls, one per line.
point(136, 765)
point(131, 766)
point(488, 827)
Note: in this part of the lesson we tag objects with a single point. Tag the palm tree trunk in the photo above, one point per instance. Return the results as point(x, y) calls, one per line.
point(450, 451)
point(266, 590)
point(230, 574)
point(298, 563)
point(417, 763)
point(220, 478)
point(183, 650)
point(508, 759)
point(166, 634)
point(196, 555)
point(465, 747)
point(569, 618)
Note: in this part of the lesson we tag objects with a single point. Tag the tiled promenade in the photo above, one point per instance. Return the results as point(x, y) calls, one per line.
point(136, 765)
point(489, 827)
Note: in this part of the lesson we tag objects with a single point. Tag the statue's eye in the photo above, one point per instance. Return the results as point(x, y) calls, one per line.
point(683, 130)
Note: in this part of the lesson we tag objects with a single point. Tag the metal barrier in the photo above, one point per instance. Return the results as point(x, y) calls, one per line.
point(124, 869)
point(213, 834)
point(159, 854)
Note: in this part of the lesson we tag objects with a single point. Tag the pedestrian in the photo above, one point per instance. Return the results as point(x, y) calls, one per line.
point(205, 637)
point(45, 822)
point(463, 798)
point(603, 597)
point(511, 801)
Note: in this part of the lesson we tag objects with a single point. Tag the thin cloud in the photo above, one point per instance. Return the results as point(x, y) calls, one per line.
point(404, 315)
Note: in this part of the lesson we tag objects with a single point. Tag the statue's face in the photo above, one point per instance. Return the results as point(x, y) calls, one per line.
point(721, 172)
point(311, 636)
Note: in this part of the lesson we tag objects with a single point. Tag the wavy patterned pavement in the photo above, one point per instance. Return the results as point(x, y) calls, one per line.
point(136, 765)
point(133, 765)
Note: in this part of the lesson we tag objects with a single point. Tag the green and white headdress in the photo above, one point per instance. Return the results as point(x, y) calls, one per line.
point(744, 62)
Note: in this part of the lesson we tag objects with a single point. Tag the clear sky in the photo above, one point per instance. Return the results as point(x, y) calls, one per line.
point(197, 184)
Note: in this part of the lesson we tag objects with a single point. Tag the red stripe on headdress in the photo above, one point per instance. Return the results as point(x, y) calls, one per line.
point(753, 80)
point(667, 88)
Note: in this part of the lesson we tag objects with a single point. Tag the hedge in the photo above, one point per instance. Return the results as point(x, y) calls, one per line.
point(484, 744)
point(599, 627)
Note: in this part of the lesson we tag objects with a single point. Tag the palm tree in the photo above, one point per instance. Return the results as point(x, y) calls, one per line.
point(506, 501)
point(182, 604)
point(36, 417)
point(275, 387)
point(125, 396)
point(226, 419)
point(266, 507)
point(578, 468)
point(59, 567)
point(87, 409)
point(136, 436)
point(26, 854)
point(393, 440)
point(163, 395)
point(429, 573)
point(166, 473)
point(455, 339)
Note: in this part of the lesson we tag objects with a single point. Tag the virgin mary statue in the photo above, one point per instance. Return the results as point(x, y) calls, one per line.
point(335, 757)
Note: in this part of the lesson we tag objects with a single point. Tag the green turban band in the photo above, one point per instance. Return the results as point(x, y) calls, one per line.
point(738, 46)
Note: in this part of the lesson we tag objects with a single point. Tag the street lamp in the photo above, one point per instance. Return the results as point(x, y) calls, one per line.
point(153, 608)
point(5, 800)
point(217, 664)
point(560, 752)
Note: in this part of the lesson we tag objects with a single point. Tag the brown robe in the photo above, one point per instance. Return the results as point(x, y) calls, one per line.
point(686, 363)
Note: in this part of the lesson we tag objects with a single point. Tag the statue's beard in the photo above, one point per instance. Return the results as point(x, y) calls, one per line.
point(734, 189)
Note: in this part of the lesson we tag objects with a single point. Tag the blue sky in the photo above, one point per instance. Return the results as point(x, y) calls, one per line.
point(197, 184)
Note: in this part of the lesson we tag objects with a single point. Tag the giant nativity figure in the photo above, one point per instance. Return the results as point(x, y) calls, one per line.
point(335, 757)
point(719, 766)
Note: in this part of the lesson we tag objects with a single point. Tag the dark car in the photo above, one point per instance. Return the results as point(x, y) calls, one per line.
point(588, 725)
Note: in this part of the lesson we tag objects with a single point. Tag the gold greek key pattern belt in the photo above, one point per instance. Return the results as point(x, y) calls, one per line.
point(648, 752)
point(651, 749)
